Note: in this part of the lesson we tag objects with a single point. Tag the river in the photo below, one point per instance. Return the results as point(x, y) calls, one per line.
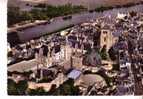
point(58, 23)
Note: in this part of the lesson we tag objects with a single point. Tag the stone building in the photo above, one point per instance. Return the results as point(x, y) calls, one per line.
point(108, 36)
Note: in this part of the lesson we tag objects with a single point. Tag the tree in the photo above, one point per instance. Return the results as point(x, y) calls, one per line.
point(21, 87)
point(11, 87)
point(27, 16)
point(38, 91)
point(112, 54)
point(116, 67)
point(17, 16)
point(67, 88)
point(9, 73)
point(133, 13)
point(52, 89)
point(13, 15)
point(40, 12)
point(103, 53)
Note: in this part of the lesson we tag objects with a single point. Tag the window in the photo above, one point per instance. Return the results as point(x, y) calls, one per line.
point(105, 39)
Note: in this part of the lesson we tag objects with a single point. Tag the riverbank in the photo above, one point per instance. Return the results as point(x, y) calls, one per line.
point(26, 25)
point(91, 4)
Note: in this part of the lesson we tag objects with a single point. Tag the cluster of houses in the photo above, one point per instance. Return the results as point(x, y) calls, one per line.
point(76, 53)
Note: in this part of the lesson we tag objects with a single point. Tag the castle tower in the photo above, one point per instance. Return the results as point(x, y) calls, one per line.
point(106, 38)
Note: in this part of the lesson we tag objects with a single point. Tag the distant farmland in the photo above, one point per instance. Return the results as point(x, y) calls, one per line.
point(86, 3)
